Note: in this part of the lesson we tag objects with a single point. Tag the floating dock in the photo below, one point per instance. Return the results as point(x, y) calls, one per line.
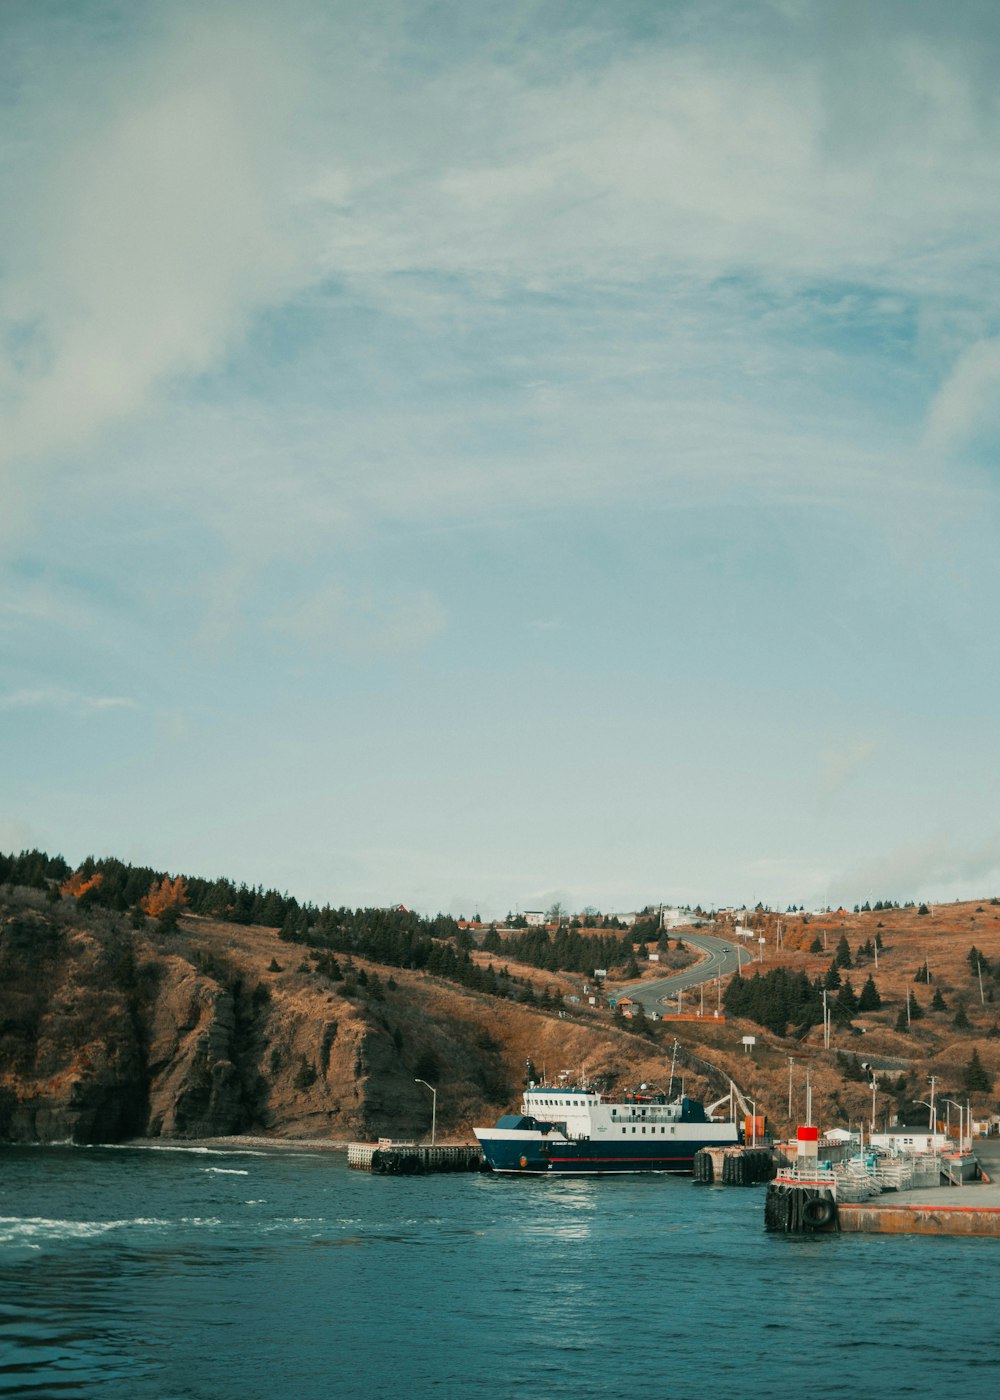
point(388, 1157)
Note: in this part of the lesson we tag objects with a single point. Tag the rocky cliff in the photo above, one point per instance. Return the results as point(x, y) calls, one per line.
point(110, 1032)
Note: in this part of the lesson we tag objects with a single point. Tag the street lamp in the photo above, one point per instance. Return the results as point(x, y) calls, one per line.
point(961, 1123)
point(924, 1104)
point(434, 1106)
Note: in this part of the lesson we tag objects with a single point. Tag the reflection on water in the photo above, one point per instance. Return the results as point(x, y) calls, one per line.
point(142, 1275)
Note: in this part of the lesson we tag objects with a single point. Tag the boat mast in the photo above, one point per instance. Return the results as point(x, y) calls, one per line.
point(673, 1062)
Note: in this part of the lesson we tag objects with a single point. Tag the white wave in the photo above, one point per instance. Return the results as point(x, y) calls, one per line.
point(13, 1228)
point(226, 1171)
point(193, 1150)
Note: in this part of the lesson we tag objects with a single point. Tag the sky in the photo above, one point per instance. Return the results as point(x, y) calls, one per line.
point(478, 456)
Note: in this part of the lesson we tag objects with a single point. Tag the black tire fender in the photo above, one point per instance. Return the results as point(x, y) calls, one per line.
point(818, 1211)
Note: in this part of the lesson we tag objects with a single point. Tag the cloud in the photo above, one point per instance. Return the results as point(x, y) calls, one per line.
point(932, 868)
point(362, 624)
point(840, 766)
point(968, 402)
point(142, 249)
point(52, 697)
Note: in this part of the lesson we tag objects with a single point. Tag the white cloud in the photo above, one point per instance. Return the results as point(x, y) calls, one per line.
point(53, 697)
point(968, 402)
point(933, 868)
point(143, 247)
point(362, 624)
point(841, 765)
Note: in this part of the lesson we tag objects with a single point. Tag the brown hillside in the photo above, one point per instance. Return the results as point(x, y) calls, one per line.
point(218, 1029)
point(931, 1045)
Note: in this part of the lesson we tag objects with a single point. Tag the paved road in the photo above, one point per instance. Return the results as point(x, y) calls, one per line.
point(722, 957)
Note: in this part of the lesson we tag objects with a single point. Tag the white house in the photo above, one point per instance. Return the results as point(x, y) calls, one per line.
point(908, 1141)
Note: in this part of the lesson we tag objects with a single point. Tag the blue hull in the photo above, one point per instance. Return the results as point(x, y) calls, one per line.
point(588, 1158)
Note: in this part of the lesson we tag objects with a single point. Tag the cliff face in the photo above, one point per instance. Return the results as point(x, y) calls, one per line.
point(109, 1032)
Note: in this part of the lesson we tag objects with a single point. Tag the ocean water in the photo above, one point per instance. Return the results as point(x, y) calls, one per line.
point(157, 1274)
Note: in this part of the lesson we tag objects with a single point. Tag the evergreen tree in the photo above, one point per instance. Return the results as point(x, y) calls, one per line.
point(916, 1010)
point(869, 999)
point(842, 957)
point(832, 979)
point(938, 1002)
point(975, 1078)
point(846, 1002)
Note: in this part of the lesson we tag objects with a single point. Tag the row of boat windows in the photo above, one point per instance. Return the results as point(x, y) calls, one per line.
point(652, 1129)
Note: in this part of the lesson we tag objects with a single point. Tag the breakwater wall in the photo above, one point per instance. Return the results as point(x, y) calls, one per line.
point(413, 1159)
point(882, 1219)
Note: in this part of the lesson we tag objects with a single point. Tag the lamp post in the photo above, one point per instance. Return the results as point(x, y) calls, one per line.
point(434, 1106)
point(961, 1123)
point(924, 1104)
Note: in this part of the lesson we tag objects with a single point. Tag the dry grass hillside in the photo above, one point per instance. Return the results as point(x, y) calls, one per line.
point(905, 1057)
point(213, 1029)
point(216, 1028)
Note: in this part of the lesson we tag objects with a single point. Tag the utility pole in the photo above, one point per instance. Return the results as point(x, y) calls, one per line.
point(979, 969)
point(809, 1100)
point(933, 1080)
point(791, 1062)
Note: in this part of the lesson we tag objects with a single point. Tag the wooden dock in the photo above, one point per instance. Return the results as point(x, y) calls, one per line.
point(388, 1157)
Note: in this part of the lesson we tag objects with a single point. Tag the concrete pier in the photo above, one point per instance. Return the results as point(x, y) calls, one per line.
point(390, 1158)
point(972, 1208)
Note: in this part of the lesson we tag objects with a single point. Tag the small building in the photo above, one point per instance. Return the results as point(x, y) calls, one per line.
point(909, 1140)
point(534, 918)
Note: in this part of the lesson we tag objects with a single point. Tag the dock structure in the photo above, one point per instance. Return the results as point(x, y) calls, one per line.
point(948, 1204)
point(388, 1157)
point(733, 1166)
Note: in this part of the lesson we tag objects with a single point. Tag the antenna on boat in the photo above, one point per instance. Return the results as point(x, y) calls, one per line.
point(673, 1062)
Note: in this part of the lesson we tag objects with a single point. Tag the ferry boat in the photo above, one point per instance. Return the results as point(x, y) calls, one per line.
point(581, 1132)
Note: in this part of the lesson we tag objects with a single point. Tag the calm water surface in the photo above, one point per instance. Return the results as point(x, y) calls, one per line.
point(155, 1273)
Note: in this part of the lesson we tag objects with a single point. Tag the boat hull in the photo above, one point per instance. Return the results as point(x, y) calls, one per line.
point(535, 1157)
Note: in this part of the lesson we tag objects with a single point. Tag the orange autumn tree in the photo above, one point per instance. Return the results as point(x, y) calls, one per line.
point(163, 895)
point(79, 883)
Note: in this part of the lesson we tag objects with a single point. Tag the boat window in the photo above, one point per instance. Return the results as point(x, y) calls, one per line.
point(643, 1127)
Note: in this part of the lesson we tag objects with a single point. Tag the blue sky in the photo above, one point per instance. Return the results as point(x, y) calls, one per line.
point(479, 456)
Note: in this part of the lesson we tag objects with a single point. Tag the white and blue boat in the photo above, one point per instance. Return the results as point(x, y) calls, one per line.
point(580, 1132)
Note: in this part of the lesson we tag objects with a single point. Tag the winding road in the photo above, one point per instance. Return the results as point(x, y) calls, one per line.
point(722, 957)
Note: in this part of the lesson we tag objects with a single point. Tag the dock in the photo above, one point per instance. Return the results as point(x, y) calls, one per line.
point(733, 1166)
point(943, 1207)
point(389, 1157)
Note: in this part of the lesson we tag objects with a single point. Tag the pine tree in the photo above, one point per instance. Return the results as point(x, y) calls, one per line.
point(975, 1078)
point(869, 998)
point(842, 957)
point(846, 1002)
point(916, 1010)
point(938, 1002)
